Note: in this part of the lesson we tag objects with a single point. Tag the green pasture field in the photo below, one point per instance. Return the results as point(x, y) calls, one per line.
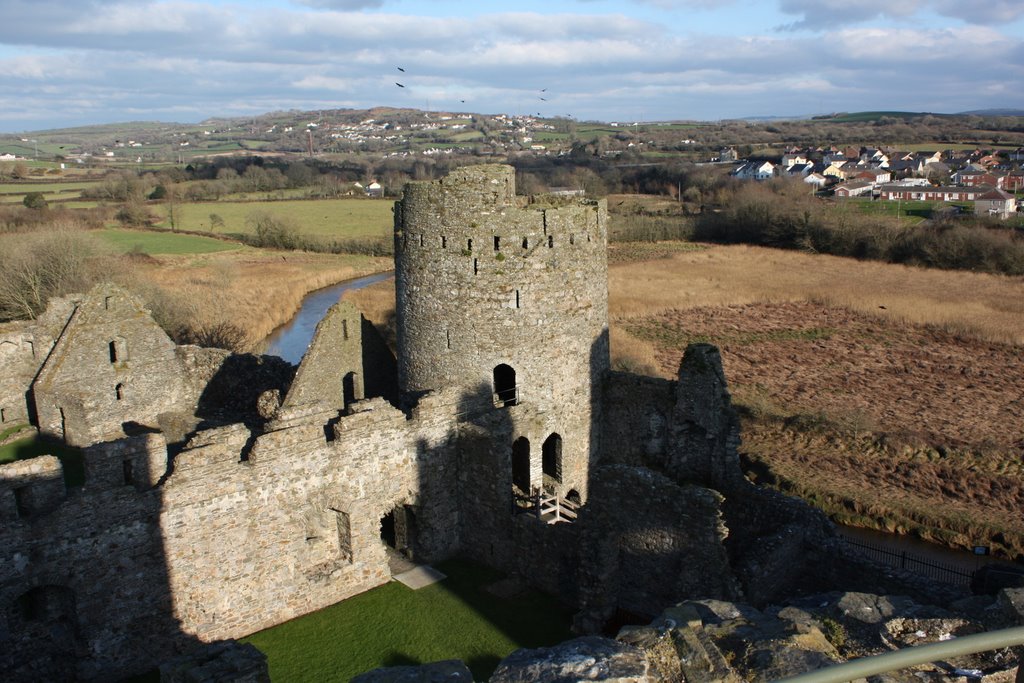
point(393, 625)
point(151, 242)
point(320, 217)
point(913, 211)
point(58, 186)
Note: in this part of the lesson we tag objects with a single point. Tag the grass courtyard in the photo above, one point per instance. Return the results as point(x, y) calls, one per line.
point(393, 625)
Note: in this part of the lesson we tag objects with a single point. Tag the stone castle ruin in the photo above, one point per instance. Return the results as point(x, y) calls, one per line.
point(224, 494)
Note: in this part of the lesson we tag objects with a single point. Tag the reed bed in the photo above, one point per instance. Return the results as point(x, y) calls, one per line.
point(255, 291)
point(990, 307)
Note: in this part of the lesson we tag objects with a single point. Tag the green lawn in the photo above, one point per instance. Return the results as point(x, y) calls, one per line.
point(162, 242)
point(322, 217)
point(393, 625)
point(71, 458)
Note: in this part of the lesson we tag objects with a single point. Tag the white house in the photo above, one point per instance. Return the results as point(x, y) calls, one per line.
point(755, 170)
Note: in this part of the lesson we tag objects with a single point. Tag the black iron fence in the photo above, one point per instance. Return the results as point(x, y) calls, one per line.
point(932, 569)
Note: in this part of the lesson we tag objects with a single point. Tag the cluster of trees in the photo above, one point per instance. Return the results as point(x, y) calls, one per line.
point(781, 213)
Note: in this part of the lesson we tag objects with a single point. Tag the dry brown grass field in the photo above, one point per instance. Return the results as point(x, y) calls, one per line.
point(252, 289)
point(891, 397)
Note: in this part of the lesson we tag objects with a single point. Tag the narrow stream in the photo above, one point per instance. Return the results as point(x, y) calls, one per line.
point(290, 341)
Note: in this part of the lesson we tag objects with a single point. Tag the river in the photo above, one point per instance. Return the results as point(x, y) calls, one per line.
point(290, 341)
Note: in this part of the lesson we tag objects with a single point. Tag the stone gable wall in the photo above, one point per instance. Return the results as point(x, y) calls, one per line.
point(111, 366)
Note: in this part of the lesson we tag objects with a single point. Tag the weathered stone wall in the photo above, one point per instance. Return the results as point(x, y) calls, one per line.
point(648, 542)
point(296, 526)
point(636, 415)
point(84, 589)
point(111, 367)
point(485, 286)
point(331, 372)
point(18, 364)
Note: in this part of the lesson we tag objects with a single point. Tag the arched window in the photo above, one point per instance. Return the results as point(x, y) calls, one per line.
point(119, 392)
point(505, 386)
point(521, 464)
point(551, 459)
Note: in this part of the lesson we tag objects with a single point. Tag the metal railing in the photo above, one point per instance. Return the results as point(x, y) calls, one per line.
point(913, 656)
point(932, 569)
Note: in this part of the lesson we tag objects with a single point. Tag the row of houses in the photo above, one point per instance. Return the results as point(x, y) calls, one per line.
point(982, 178)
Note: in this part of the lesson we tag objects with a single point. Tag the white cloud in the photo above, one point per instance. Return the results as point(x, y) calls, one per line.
point(818, 14)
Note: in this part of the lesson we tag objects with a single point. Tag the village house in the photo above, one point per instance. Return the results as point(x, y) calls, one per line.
point(996, 203)
point(929, 194)
point(853, 188)
point(755, 170)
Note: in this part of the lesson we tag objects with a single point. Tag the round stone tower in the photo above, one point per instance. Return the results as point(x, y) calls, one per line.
point(507, 299)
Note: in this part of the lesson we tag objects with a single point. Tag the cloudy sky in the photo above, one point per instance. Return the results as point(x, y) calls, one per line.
point(70, 62)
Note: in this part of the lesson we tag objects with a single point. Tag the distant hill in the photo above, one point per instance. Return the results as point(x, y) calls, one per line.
point(993, 112)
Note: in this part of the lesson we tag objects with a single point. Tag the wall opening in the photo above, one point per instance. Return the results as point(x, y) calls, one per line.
point(3, 415)
point(21, 501)
point(398, 529)
point(551, 241)
point(444, 242)
point(119, 392)
point(574, 497)
point(344, 329)
point(127, 470)
point(448, 339)
point(53, 607)
point(572, 238)
point(526, 243)
point(348, 388)
point(497, 243)
point(521, 466)
point(118, 350)
point(344, 535)
point(421, 239)
point(551, 461)
point(469, 245)
point(476, 269)
point(505, 386)
point(517, 298)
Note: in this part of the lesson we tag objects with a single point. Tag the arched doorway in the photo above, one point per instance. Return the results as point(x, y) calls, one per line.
point(521, 465)
point(551, 461)
point(505, 385)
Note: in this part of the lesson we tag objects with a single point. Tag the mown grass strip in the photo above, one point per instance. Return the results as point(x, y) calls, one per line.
point(393, 625)
point(151, 242)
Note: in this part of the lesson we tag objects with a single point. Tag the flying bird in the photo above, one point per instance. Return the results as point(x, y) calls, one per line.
point(399, 84)
point(543, 100)
point(400, 69)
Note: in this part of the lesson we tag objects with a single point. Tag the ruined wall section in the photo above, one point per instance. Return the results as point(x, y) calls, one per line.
point(483, 281)
point(637, 410)
point(112, 365)
point(24, 346)
point(296, 526)
point(84, 589)
point(331, 372)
